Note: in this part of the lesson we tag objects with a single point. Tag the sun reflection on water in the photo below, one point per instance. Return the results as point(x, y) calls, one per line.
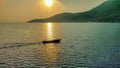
point(50, 50)
point(51, 53)
point(50, 30)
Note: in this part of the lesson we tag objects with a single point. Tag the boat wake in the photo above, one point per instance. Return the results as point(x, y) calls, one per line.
point(12, 45)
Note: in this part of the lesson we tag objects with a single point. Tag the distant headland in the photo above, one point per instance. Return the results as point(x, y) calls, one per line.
point(108, 11)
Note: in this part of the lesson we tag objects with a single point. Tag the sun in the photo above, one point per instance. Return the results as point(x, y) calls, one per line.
point(48, 3)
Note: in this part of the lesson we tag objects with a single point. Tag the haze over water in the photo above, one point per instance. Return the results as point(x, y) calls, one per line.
point(83, 45)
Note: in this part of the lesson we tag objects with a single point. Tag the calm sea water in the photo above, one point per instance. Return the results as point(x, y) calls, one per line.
point(83, 45)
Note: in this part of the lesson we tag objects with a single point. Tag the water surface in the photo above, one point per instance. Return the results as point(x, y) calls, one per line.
point(83, 45)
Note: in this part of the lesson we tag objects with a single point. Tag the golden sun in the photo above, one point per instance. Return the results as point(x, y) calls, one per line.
point(48, 3)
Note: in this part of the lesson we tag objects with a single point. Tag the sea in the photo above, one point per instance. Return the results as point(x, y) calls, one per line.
point(83, 45)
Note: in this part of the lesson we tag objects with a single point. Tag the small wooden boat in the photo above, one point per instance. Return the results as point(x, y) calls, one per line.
point(51, 41)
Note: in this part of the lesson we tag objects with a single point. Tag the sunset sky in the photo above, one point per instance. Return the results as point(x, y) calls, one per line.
point(24, 10)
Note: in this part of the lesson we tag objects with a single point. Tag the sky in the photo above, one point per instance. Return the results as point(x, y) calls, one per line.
point(24, 10)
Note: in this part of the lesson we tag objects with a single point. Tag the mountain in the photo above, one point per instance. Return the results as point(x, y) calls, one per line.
point(108, 11)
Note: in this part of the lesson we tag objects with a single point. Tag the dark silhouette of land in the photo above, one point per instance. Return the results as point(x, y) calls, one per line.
point(108, 11)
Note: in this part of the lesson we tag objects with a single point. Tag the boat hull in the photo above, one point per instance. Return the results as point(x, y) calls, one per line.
point(51, 41)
